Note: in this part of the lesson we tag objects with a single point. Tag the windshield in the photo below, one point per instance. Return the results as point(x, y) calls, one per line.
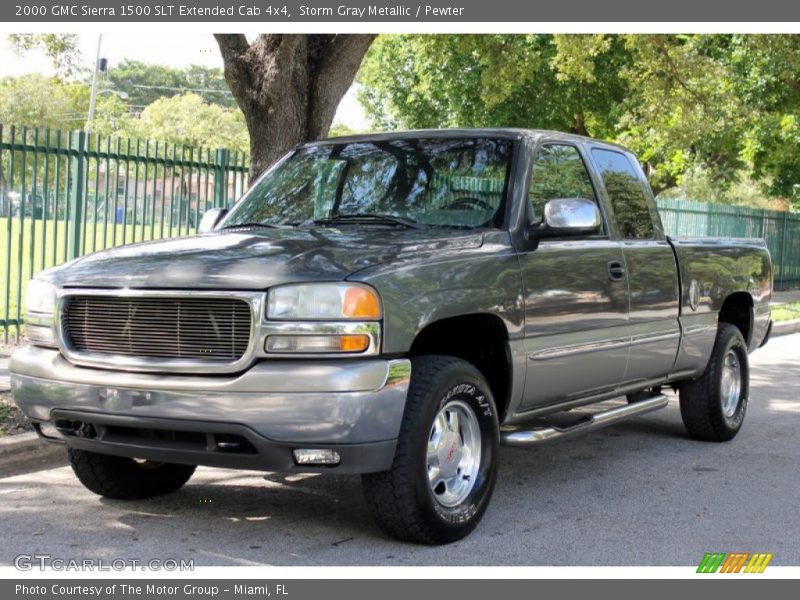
point(457, 182)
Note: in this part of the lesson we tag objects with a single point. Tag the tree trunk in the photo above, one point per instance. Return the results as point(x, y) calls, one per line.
point(289, 86)
point(579, 124)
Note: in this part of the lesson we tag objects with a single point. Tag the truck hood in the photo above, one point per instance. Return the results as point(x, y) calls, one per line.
point(255, 259)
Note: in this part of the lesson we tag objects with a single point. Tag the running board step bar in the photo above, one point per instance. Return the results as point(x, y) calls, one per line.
point(531, 437)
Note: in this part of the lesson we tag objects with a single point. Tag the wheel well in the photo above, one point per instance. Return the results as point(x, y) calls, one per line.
point(481, 340)
point(737, 309)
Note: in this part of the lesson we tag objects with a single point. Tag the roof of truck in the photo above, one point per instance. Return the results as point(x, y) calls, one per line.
point(506, 132)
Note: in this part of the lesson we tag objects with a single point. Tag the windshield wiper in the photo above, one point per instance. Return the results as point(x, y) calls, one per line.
point(369, 218)
point(252, 224)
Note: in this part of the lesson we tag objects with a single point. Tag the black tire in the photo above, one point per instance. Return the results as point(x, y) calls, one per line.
point(402, 500)
point(702, 400)
point(124, 478)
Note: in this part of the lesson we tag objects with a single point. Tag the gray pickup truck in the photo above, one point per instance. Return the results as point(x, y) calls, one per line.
point(397, 306)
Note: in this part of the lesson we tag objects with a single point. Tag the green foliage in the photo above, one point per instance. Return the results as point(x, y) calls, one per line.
point(681, 110)
point(136, 100)
point(487, 81)
point(145, 83)
point(786, 312)
point(341, 130)
point(723, 106)
point(697, 183)
point(190, 120)
point(558, 172)
point(36, 101)
point(60, 48)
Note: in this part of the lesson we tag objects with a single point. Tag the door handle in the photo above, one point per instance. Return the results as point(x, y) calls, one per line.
point(616, 270)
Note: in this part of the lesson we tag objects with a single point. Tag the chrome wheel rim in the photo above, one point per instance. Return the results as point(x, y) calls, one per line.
point(454, 453)
point(731, 383)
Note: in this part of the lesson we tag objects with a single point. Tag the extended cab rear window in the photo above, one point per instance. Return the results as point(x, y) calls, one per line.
point(626, 193)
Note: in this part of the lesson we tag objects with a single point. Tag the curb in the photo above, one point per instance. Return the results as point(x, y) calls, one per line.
point(785, 327)
point(27, 449)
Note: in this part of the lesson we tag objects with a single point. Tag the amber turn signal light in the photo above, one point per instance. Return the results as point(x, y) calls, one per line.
point(361, 303)
point(353, 343)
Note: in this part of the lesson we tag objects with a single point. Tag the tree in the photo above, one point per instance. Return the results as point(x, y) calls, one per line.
point(682, 113)
point(190, 120)
point(61, 48)
point(723, 109)
point(341, 130)
point(38, 102)
point(145, 83)
point(765, 71)
point(414, 81)
point(289, 86)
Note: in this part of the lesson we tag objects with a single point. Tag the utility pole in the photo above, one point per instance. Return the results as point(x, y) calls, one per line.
point(93, 97)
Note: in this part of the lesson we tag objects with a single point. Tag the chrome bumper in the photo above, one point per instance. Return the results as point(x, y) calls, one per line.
point(289, 404)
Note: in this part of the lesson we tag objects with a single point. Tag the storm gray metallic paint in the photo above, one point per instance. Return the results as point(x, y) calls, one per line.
point(652, 279)
point(270, 455)
point(346, 402)
point(575, 318)
point(254, 258)
point(424, 288)
point(574, 336)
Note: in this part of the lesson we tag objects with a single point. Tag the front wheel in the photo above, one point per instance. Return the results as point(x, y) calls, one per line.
point(713, 405)
point(444, 469)
point(124, 478)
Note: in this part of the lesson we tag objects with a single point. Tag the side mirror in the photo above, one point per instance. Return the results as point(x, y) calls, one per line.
point(210, 219)
point(569, 216)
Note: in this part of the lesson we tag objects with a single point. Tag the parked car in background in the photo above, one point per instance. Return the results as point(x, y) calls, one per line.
point(28, 204)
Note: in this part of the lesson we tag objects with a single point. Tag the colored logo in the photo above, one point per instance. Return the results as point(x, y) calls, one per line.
point(734, 562)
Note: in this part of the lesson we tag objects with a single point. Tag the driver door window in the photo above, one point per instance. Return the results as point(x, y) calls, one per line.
point(558, 172)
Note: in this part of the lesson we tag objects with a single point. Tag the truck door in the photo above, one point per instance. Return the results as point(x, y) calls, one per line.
point(650, 266)
point(576, 301)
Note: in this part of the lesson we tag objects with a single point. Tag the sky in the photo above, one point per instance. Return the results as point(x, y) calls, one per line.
point(175, 50)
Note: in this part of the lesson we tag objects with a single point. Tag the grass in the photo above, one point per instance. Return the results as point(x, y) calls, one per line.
point(786, 312)
point(5, 413)
point(12, 421)
point(44, 246)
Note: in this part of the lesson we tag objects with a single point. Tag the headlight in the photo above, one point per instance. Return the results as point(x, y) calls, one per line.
point(40, 298)
point(324, 302)
point(40, 304)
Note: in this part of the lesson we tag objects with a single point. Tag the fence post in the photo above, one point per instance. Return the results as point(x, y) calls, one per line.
point(220, 180)
point(783, 248)
point(76, 200)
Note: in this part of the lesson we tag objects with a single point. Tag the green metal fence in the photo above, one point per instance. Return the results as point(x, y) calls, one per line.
point(65, 194)
point(781, 230)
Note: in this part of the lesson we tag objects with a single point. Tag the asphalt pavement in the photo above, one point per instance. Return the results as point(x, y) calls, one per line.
point(638, 493)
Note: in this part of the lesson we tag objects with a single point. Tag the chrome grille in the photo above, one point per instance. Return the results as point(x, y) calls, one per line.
point(199, 329)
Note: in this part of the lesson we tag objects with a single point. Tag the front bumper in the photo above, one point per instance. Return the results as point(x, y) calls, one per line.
point(352, 406)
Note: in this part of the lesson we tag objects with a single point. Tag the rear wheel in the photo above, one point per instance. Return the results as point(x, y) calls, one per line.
point(713, 406)
point(444, 468)
point(125, 478)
